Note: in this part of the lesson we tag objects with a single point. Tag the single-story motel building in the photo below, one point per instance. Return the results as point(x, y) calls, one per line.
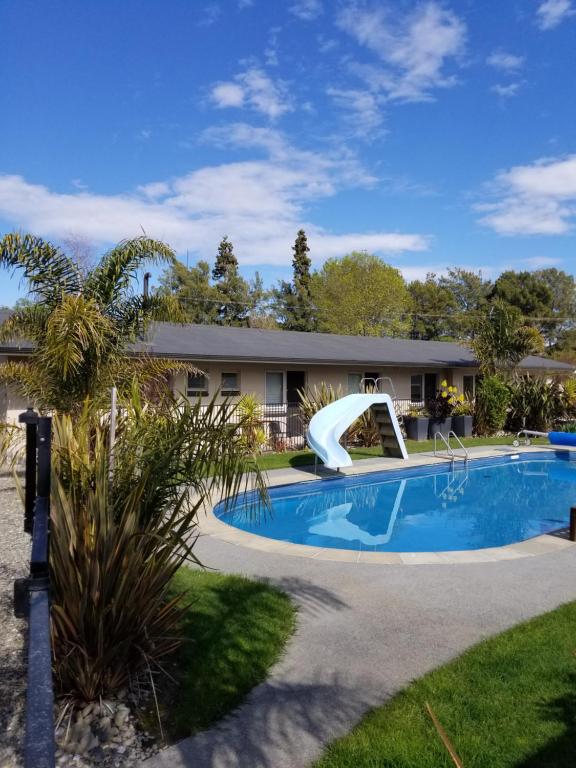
point(274, 364)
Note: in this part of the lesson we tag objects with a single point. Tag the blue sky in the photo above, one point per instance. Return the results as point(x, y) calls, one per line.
point(432, 133)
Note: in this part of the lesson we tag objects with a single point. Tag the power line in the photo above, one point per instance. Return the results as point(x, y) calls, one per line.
point(394, 314)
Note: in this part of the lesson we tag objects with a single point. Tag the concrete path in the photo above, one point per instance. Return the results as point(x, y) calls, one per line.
point(364, 632)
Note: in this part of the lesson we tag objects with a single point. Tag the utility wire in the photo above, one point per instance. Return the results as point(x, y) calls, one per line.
point(401, 314)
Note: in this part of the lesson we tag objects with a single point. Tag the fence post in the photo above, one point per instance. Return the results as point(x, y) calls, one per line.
point(573, 524)
point(30, 418)
point(39, 743)
point(44, 443)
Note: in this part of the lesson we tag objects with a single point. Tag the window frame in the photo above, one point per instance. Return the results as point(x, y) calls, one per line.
point(469, 376)
point(198, 391)
point(421, 385)
point(360, 377)
point(232, 392)
point(283, 394)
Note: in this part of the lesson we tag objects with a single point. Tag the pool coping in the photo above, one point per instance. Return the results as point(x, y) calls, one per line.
point(538, 545)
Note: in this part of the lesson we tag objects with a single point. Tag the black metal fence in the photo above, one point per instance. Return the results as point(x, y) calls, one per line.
point(284, 425)
point(32, 595)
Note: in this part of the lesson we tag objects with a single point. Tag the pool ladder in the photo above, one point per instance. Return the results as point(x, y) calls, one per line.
point(453, 456)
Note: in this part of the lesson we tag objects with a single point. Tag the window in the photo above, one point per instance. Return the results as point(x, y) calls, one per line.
point(197, 385)
point(274, 387)
point(416, 389)
point(230, 384)
point(354, 380)
point(469, 386)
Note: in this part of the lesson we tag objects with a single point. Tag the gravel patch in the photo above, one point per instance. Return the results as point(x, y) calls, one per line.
point(14, 555)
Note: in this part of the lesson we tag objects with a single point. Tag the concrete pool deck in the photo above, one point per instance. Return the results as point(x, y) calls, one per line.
point(538, 545)
point(364, 632)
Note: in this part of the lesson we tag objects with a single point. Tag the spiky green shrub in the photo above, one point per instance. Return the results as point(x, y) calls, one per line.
point(364, 431)
point(251, 411)
point(491, 407)
point(569, 398)
point(313, 399)
point(535, 403)
point(122, 523)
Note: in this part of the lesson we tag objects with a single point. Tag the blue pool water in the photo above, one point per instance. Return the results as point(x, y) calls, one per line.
point(488, 503)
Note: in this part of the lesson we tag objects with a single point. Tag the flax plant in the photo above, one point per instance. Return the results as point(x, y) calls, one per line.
point(119, 534)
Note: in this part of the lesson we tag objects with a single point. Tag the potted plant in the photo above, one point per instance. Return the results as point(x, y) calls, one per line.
point(440, 410)
point(463, 417)
point(416, 424)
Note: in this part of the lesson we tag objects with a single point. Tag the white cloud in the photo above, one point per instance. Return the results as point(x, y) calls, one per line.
point(506, 91)
point(254, 89)
point(414, 48)
point(307, 10)
point(363, 109)
point(245, 4)
point(551, 13)
point(507, 62)
point(209, 15)
point(228, 95)
point(536, 199)
point(259, 203)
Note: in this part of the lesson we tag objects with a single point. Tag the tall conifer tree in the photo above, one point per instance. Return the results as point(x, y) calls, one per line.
point(293, 301)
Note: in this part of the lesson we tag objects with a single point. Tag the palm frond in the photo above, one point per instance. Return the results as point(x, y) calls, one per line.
point(133, 315)
point(25, 323)
point(46, 268)
point(24, 378)
point(76, 333)
point(119, 267)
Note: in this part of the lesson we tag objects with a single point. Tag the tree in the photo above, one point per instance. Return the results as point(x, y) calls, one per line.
point(502, 340)
point(293, 301)
point(81, 325)
point(433, 306)
point(563, 290)
point(469, 291)
point(259, 309)
point(192, 288)
point(360, 294)
point(232, 291)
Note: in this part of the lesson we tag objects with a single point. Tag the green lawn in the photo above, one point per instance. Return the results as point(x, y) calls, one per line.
point(508, 702)
point(234, 629)
point(302, 458)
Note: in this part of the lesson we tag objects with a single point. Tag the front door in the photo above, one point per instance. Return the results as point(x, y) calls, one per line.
point(371, 381)
point(295, 380)
point(430, 386)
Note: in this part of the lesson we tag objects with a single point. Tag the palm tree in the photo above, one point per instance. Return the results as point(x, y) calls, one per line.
point(502, 339)
point(82, 323)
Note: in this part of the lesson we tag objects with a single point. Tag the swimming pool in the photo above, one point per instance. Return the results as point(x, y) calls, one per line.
point(486, 503)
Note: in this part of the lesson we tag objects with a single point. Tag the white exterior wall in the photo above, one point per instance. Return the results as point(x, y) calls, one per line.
point(253, 376)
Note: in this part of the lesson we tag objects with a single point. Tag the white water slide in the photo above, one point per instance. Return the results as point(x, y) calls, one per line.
point(329, 424)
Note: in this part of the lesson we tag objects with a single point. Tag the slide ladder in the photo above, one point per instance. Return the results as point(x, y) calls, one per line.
point(329, 424)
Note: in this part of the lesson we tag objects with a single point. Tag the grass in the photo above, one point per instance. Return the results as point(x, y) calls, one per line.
point(509, 701)
point(235, 629)
point(302, 458)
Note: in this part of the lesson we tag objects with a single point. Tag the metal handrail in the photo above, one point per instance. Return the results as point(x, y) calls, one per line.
point(449, 447)
point(377, 384)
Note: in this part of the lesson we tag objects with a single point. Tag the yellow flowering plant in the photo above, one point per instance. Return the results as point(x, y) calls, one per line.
point(441, 406)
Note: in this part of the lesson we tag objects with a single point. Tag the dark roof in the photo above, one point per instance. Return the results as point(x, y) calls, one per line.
point(214, 342)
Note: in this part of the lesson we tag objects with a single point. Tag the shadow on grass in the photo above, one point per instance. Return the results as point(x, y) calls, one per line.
point(234, 629)
point(559, 752)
